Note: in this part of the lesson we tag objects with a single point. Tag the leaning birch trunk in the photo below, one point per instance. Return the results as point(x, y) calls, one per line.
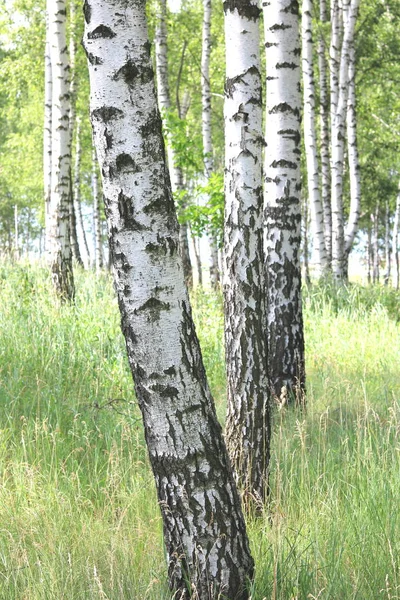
point(206, 127)
point(59, 248)
point(338, 136)
point(47, 146)
point(353, 158)
point(310, 143)
point(204, 530)
point(282, 202)
point(248, 414)
point(98, 251)
point(324, 136)
point(164, 103)
point(395, 252)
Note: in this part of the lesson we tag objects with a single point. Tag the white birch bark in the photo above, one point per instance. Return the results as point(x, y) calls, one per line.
point(248, 412)
point(77, 188)
point(310, 142)
point(59, 248)
point(375, 244)
point(47, 146)
point(98, 250)
point(324, 109)
point(388, 250)
point(338, 136)
point(396, 241)
point(282, 201)
point(164, 103)
point(353, 158)
point(204, 529)
point(206, 127)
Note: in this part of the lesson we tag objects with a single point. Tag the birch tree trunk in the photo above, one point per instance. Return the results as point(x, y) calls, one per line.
point(395, 252)
point(353, 158)
point(72, 122)
point(248, 415)
point(59, 248)
point(338, 136)
point(388, 258)
point(77, 188)
point(206, 128)
point(47, 145)
point(98, 251)
point(282, 201)
point(164, 103)
point(310, 143)
point(375, 244)
point(204, 530)
point(324, 137)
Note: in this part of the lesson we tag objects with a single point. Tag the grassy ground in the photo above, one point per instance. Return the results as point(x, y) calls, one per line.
point(78, 513)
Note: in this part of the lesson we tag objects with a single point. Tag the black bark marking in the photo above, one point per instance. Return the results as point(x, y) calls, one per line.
point(102, 31)
point(126, 211)
point(87, 11)
point(124, 163)
point(165, 391)
point(163, 247)
point(128, 72)
point(287, 65)
point(284, 107)
point(170, 371)
point(152, 126)
point(107, 113)
point(293, 134)
point(292, 8)
point(284, 164)
point(244, 8)
point(109, 139)
point(154, 306)
point(94, 60)
point(279, 27)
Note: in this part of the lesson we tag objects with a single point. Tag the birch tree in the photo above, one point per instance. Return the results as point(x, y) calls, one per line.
point(77, 188)
point(97, 243)
point(47, 129)
point(395, 236)
point(339, 95)
point(58, 243)
point(164, 103)
point(310, 143)
point(353, 158)
point(204, 530)
point(324, 133)
point(206, 126)
point(282, 201)
point(248, 414)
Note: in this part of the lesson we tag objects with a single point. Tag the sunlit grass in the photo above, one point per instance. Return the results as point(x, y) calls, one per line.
point(78, 512)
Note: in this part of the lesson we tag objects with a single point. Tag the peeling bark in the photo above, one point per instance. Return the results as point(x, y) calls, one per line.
point(282, 201)
point(248, 428)
point(204, 530)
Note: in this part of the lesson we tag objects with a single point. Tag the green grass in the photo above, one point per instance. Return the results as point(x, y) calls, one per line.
point(78, 512)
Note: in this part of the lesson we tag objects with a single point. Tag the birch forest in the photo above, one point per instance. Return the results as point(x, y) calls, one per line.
point(199, 299)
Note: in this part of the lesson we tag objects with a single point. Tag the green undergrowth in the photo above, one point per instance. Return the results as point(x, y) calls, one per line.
point(78, 512)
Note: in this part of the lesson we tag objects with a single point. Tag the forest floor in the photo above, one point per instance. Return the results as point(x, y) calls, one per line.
point(78, 512)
